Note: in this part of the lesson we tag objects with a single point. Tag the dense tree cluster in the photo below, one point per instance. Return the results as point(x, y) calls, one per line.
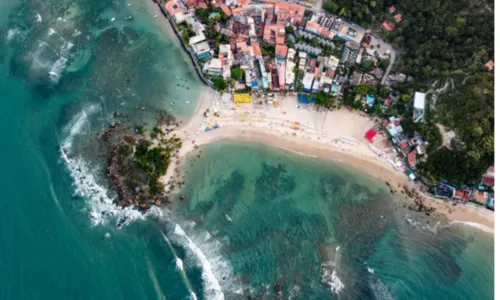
point(442, 40)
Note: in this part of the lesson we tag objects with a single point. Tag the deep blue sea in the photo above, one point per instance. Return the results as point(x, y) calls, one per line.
point(253, 217)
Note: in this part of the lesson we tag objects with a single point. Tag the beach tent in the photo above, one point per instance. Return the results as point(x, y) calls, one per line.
point(370, 134)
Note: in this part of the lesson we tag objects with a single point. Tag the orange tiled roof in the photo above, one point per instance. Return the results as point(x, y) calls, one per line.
point(490, 65)
point(256, 48)
point(281, 50)
point(272, 33)
point(174, 6)
point(387, 25)
point(412, 158)
point(224, 8)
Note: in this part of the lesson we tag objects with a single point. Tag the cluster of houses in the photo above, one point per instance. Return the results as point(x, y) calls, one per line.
point(257, 39)
point(483, 194)
point(254, 28)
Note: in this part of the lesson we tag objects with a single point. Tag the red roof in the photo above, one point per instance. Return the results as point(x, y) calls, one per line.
point(224, 8)
point(370, 134)
point(387, 25)
point(462, 194)
point(488, 180)
point(489, 176)
point(388, 102)
point(403, 145)
point(490, 65)
point(412, 158)
point(281, 50)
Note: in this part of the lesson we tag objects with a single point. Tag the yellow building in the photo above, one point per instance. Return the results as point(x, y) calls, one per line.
point(242, 98)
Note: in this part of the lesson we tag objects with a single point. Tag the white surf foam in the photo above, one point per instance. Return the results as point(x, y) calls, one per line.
point(380, 291)
point(65, 48)
point(57, 69)
point(101, 206)
point(329, 274)
point(38, 18)
point(212, 286)
point(51, 31)
point(76, 33)
point(370, 270)
point(475, 225)
point(11, 33)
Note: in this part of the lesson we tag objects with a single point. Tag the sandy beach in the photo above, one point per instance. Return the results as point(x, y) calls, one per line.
point(306, 131)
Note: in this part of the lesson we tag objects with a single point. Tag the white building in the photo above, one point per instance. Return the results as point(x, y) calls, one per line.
point(418, 106)
point(307, 81)
point(214, 68)
point(332, 63)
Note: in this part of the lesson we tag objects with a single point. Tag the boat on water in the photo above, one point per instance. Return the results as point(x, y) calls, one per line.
point(187, 102)
point(128, 18)
point(172, 103)
point(228, 219)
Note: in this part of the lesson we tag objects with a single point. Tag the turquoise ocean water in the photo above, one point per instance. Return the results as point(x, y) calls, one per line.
point(252, 217)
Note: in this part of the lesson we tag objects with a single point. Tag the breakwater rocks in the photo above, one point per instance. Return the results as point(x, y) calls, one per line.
point(136, 159)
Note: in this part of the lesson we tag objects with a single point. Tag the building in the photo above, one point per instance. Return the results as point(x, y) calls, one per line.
point(274, 34)
point(490, 65)
point(387, 25)
point(332, 63)
point(489, 177)
point(412, 159)
point(214, 68)
point(202, 50)
point(350, 52)
point(418, 106)
point(307, 81)
point(281, 52)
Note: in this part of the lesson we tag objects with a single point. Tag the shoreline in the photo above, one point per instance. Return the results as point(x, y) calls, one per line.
point(361, 158)
point(464, 214)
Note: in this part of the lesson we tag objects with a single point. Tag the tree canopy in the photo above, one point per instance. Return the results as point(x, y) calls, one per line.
point(237, 73)
point(219, 83)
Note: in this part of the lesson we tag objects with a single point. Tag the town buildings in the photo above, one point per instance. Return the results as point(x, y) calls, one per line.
point(418, 106)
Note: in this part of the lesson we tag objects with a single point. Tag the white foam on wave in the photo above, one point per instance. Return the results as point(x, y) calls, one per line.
point(329, 274)
point(475, 225)
point(76, 33)
point(370, 270)
point(11, 33)
point(179, 265)
point(101, 206)
point(38, 18)
point(65, 48)
point(51, 31)
point(212, 287)
point(57, 69)
point(381, 291)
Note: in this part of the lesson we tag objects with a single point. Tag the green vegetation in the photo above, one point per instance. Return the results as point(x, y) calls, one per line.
point(440, 40)
point(142, 166)
point(383, 64)
point(322, 99)
point(186, 31)
point(219, 83)
point(268, 50)
point(289, 29)
point(237, 73)
point(366, 65)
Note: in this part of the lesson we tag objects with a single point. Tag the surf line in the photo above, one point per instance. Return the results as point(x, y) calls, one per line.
point(180, 266)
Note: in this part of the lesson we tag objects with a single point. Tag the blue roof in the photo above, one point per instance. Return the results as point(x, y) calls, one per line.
point(370, 99)
point(254, 83)
point(335, 88)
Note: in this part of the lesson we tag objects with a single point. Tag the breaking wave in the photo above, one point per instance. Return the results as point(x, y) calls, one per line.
point(86, 183)
point(329, 275)
point(380, 291)
point(475, 225)
point(212, 285)
point(11, 33)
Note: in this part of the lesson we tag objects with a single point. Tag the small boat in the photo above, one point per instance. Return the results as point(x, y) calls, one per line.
point(113, 19)
point(187, 102)
point(128, 18)
point(172, 103)
point(228, 219)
